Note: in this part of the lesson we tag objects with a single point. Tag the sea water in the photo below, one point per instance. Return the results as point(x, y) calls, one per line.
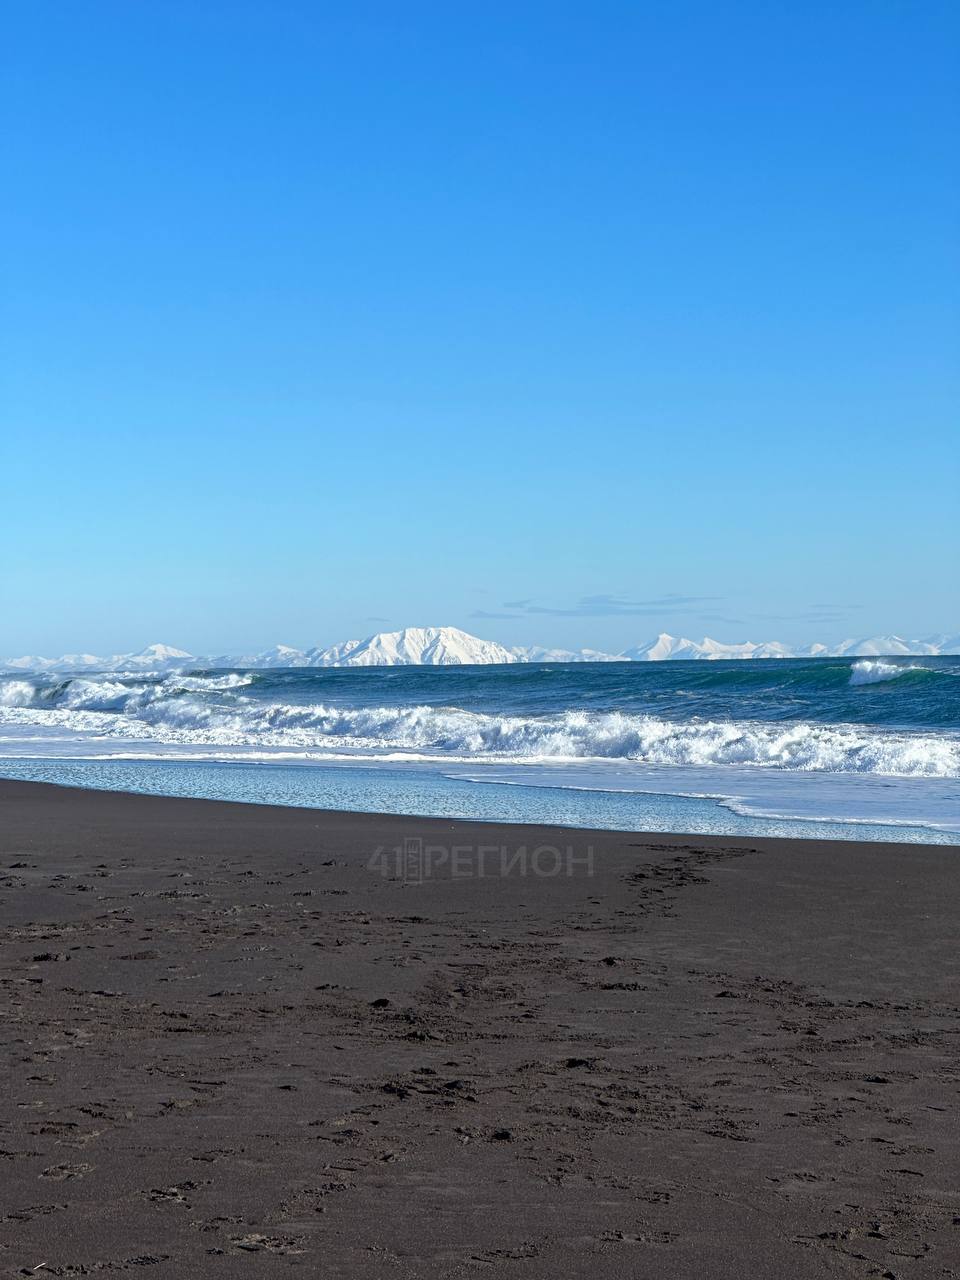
point(865, 748)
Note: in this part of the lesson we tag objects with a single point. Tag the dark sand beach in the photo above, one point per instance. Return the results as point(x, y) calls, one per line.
point(234, 1047)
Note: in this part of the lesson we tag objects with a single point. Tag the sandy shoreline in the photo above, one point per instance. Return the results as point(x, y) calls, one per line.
point(238, 1042)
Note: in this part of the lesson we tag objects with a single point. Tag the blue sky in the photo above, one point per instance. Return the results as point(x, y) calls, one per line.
point(564, 323)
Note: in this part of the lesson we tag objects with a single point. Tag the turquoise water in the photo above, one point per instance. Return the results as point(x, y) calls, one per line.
point(385, 790)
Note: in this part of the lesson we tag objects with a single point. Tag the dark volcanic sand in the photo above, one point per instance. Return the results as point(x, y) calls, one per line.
point(234, 1049)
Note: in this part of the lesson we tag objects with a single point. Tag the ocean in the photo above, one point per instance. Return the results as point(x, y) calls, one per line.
point(866, 748)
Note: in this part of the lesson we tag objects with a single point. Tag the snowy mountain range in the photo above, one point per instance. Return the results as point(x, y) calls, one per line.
point(672, 648)
point(448, 646)
point(156, 657)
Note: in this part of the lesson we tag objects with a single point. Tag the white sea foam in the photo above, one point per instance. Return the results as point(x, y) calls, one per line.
point(16, 693)
point(91, 695)
point(876, 672)
point(167, 712)
point(209, 684)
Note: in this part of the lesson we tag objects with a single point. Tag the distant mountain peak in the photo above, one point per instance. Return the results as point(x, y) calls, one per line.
point(414, 646)
point(161, 653)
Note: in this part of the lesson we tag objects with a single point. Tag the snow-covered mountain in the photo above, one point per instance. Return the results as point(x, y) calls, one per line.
point(673, 648)
point(414, 646)
point(281, 655)
point(885, 646)
point(537, 653)
point(155, 657)
point(667, 648)
point(68, 662)
point(448, 646)
point(945, 644)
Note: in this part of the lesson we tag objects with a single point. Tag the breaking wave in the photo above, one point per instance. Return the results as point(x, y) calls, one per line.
point(212, 711)
point(877, 672)
point(211, 684)
point(16, 693)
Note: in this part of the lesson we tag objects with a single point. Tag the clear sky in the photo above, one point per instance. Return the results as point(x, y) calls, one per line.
point(561, 322)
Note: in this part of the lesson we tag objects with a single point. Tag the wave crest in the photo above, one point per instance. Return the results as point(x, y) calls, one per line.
point(877, 672)
point(210, 684)
point(16, 693)
point(176, 712)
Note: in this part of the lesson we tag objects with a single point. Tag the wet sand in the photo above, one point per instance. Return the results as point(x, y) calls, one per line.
point(237, 1042)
